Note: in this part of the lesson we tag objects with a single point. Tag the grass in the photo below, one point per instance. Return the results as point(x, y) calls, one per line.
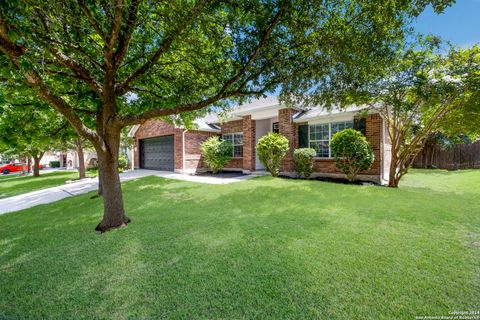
point(12, 185)
point(262, 248)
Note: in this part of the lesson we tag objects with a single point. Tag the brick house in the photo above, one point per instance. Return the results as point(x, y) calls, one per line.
point(163, 146)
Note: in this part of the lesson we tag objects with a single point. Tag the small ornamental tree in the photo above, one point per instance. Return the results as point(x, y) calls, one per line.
point(303, 158)
point(216, 153)
point(352, 152)
point(123, 164)
point(271, 149)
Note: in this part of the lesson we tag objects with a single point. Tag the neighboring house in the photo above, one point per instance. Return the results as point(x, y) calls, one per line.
point(69, 159)
point(163, 146)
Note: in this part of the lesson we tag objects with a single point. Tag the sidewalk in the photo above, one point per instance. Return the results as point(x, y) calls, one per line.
point(44, 196)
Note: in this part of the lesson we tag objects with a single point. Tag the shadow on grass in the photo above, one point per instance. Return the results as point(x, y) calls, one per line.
point(255, 249)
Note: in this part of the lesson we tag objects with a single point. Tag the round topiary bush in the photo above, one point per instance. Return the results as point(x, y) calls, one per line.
point(123, 163)
point(352, 152)
point(303, 159)
point(216, 153)
point(271, 148)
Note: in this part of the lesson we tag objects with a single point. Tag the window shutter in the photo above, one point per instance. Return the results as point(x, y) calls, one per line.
point(360, 125)
point(303, 136)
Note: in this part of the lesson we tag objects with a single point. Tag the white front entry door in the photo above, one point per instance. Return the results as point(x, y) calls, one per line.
point(262, 127)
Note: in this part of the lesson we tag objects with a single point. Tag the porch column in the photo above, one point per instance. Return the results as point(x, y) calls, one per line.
point(248, 144)
point(287, 129)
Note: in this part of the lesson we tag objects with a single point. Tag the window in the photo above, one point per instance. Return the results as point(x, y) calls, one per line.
point(320, 136)
point(275, 127)
point(236, 139)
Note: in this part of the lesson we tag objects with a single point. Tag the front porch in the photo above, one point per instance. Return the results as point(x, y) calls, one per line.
point(245, 127)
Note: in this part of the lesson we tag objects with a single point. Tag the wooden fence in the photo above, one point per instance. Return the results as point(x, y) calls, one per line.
point(462, 156)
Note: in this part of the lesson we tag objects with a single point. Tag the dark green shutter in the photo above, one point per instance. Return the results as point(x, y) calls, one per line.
point(360, 125)
point(303, 136)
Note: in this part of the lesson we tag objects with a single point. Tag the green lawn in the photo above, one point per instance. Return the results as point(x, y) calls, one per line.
point(12, 185)
point(262, 248)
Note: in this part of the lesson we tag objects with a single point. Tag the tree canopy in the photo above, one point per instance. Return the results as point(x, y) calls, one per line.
point(31, 129)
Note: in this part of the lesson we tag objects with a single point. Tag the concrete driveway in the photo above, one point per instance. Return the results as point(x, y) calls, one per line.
point(31, 199)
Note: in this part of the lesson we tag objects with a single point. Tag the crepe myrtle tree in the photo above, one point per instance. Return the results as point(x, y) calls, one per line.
point(134, 60)
point(425, 89)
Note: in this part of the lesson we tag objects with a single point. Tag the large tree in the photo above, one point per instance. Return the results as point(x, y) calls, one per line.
point(30, 129)
point(123, 62)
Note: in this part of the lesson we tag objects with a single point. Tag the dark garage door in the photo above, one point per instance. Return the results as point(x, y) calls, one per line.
point(157, 153)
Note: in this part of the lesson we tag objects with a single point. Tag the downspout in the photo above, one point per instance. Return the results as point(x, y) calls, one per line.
point(133, 156)
point(183, 150)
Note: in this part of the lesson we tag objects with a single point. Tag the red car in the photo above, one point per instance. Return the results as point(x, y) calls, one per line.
point(14, 167)
point(11, 167)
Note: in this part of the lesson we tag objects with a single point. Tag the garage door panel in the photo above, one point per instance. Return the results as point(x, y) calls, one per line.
point(157, 153)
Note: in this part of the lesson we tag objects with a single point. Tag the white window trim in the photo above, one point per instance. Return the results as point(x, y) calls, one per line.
point(233, 143)
point(329, 135)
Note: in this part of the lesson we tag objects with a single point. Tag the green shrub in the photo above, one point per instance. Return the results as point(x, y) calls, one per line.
point(123, 163)
point(352, 152)
point(54, 164)
point(271, 148)
point(303, 158)
point(216, 153)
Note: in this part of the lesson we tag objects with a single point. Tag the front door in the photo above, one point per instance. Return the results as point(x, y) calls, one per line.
point(262, 127)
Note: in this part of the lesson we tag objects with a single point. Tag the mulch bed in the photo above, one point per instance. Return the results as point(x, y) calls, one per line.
point(336, 180)
point(222, 174)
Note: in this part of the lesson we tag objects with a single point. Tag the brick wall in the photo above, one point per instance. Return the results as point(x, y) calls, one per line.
point(248, 143)
point(373, 133)
point(156, 128)
point(193, 155)
point(287, 128)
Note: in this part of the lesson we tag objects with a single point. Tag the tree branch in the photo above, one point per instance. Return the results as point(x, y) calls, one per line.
point(79, 70)
point(73, 47)
point(124, 41)
point(91, 19)
point(14, 52)
point(164, 46)
point(69, 62)
point(117, 23)
point(161, 112)
point(263, 40)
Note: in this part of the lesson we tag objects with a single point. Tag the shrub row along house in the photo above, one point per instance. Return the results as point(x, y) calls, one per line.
point(163, 146)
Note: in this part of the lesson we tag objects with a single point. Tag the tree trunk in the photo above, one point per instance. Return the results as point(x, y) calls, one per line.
point(392, 176)
point(23, 161)
point(29, 164)
point(109, 180)
point(432, 156)
point(99, 191)
point(392, 181)
point(36, 167)
point(81, 159)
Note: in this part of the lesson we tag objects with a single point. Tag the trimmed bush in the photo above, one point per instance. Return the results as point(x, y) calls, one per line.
point(352, 152)
point(303, 158)
point(54, 164)
point(216, 153)
point(123, 163)
point(271, 148)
